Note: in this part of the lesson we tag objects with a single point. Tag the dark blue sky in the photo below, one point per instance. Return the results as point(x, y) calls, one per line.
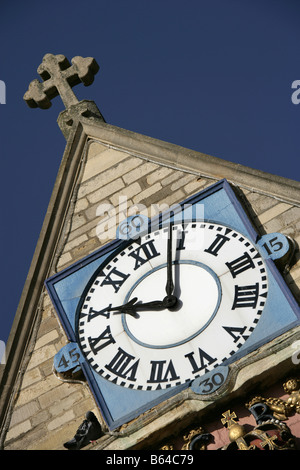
point(211, 75)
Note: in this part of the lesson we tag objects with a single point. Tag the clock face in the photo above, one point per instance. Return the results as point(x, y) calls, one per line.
point(220, 283)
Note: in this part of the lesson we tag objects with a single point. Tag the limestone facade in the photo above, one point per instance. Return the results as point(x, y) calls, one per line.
point(42, 411)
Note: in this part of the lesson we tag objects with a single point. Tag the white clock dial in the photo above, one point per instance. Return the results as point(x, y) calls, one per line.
point(220, 283)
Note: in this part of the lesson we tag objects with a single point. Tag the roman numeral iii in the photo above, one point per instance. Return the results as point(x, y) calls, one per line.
point(240, 264)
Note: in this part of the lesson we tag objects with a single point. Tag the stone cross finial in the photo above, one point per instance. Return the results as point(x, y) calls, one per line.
point(59, 76)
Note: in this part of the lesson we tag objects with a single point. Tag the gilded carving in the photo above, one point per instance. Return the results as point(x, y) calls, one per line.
point(270, 435)
point(270, 432)
point(292, 387)
point(279, 408)
point(196, 439)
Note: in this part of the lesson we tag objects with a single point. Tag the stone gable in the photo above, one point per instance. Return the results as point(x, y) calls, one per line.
point(45, 411)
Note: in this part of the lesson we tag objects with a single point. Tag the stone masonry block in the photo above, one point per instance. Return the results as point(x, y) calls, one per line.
point(81, 205)
point(38, 390)
point(48, 323)
point(64, 259)
point(146, 193)
point(172, 177)
point(86, 248)
point(287, 222)
point(273, 212)
point(142, 170)
point(108, 176)
point(77, 233)
point(18, 430)
point(47, 338)
point(95, 148)
point(65, 403)
point(194, 186)
point(76, 242)
point(98, 164)
point(260, 203)
point(54, 394)
point(159, 174)
point(105, 191)
point(24, 412)
point(181, 181)
point(40, 418)
point(25, 441)
point(41, 355)
point(61, 420)
point(129, 191)
point(54, 440)
point(32, 376)
point(175, 197)
point(77, 220)
point(292, 216)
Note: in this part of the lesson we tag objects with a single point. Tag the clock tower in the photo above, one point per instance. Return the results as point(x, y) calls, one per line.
point(162, 294)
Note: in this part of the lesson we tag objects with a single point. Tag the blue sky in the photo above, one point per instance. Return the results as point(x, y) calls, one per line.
point(211, 75)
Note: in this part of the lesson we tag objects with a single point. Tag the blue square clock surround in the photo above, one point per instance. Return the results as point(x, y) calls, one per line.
point(264, 301)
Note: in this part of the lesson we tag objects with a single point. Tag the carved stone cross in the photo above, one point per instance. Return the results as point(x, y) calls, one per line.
point(59, 76)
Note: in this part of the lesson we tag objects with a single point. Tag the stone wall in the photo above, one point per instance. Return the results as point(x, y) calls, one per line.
point(46, 411)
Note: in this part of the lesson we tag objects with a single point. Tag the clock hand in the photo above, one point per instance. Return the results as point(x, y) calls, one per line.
point(170, 300)
point(170, 284)
point(126, 308)
point(131, 307)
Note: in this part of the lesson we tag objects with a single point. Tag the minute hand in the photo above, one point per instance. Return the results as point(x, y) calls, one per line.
point(170, 284)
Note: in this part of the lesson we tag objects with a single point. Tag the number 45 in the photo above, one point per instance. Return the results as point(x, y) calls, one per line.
point(69, 357)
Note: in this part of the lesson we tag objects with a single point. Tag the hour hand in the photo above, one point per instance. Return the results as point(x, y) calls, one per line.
point(132, 307)
point(129, 308)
